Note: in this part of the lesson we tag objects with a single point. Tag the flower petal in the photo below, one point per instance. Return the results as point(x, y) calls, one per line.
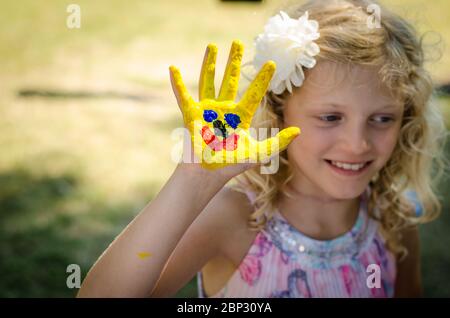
point(307, 61)
point(312, 49)
point(288, 85)
point(297, 78)
point(278, 89)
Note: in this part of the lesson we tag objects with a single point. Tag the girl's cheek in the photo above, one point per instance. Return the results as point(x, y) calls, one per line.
point(385, 141)
point(315, 132)
point(315, 139)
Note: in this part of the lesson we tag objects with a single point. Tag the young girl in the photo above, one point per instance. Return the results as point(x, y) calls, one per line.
point(333, 221)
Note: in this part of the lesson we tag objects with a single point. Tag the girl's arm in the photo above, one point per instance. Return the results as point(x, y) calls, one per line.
point(208, 239)
point(132, 264)
point(408, 283)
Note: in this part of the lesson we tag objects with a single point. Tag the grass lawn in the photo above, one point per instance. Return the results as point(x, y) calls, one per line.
point(77, 164)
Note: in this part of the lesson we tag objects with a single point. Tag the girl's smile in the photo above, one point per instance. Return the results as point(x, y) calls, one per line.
point(348, 168)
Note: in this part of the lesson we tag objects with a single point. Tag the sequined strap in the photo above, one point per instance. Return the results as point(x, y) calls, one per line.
point(296, 245)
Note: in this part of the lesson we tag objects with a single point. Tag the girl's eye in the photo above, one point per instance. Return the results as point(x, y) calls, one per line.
point(329, 118)
point(382, 119)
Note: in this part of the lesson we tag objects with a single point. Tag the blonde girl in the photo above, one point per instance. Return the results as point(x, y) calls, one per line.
point(334, 220)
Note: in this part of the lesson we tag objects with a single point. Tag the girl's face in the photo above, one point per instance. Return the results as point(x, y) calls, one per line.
point(350, 126)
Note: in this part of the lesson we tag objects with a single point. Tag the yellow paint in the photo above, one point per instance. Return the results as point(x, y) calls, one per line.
point(248, 148)
point(206, 84)
point(230, 81)
point(143, 255)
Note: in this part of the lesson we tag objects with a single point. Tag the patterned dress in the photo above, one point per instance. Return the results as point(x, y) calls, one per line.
point(283, 262)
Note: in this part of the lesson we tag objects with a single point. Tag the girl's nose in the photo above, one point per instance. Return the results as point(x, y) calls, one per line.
point(357, 140)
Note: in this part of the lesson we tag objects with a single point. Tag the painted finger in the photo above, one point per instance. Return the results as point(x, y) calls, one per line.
point(229, 87)
point(184, 99)
point(255, 92)
point(278, 143)
point(206, 82)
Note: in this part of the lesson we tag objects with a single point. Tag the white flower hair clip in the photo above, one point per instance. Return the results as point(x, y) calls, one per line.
point(290, 44)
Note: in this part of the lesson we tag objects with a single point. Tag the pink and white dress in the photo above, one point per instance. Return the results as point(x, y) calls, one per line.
point(283, 262)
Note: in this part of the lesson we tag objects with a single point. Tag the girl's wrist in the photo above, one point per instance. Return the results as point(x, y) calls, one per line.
point(200, 177)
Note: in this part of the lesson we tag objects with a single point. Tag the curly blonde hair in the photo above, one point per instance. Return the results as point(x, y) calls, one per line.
point(398, 52)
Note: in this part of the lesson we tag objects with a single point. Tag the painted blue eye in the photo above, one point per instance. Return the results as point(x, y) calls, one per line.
point(209, 115)
point(232, 119)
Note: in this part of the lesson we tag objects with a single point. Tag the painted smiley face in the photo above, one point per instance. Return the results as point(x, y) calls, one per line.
point(222, 137)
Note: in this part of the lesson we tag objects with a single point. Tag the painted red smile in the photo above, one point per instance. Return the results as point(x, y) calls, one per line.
point(229, 143)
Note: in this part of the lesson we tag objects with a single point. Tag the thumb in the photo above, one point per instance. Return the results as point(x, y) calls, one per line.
point(276, 144)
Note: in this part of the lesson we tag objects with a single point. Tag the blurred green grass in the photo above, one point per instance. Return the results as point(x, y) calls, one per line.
point(75, 171)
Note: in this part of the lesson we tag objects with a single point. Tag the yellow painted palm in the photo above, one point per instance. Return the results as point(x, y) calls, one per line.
point(219, 127)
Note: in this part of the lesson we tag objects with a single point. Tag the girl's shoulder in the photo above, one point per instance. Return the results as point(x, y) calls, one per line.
point(234, 209)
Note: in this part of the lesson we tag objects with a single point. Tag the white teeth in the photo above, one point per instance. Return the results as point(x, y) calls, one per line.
point(347, 166)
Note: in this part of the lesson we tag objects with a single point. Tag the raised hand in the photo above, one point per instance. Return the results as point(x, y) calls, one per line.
point(219, 127)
